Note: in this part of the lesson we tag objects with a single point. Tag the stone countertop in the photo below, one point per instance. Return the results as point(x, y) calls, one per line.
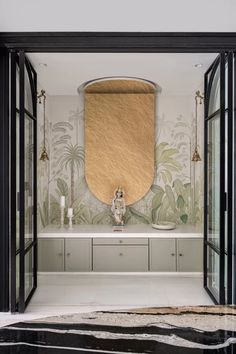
point(138, 230)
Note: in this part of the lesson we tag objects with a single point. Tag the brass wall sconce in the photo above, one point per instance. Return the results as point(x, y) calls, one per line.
point(44, 154)
point(198, 99)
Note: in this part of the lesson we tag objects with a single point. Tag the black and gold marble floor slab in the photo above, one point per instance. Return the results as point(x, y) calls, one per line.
point(169, 330)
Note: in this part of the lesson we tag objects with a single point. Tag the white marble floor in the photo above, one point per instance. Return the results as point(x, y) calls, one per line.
point(66, 293)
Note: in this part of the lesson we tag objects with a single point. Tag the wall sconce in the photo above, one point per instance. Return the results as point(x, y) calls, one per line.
point(44, 154)
point(198, 99)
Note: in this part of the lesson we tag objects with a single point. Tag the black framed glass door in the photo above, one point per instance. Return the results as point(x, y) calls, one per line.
point(23, 181)
point(218, 180)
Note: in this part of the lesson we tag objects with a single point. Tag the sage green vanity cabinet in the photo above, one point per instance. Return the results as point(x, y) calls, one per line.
point(120, 254)
point(116, 258)
point(51, 255)
point(163, 255)
point(190, 255)
point(176, 255)
point(78, 255)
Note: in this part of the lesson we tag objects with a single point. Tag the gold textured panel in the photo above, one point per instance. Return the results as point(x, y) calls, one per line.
point(119, 144)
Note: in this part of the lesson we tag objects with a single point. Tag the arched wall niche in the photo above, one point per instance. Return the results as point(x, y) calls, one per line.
point(119, 137)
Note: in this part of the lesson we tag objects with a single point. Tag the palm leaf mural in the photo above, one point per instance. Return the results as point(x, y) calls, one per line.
point(62, 188)
point(55, 210)
point(140, 217)
point(61, 137)
point(44, 211)
point(156, 201)
point(82, 213)
point(72, 158)
point(165, 162)
point(104, 217)
point(76, 116)
point(172, 197)
point(173, 203)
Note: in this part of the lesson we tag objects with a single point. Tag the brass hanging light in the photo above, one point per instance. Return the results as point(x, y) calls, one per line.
point(44, 154)
point(198, 99)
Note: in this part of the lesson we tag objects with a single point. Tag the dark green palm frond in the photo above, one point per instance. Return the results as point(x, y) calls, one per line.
point(72, 155)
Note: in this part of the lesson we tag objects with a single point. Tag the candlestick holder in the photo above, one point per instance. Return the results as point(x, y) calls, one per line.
point(62, 216)
point(70, 221)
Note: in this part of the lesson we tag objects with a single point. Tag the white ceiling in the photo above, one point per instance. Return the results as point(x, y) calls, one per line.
point(122, 15)
point(176, 74)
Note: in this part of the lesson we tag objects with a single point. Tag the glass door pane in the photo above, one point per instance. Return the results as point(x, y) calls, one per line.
point(213, 266)
point(213, 221)
point(29, 272)
point(29, 185)
point(214, 95)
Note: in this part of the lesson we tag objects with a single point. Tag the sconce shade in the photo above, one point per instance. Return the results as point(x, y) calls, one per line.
point(196, 156)
point(44, 155)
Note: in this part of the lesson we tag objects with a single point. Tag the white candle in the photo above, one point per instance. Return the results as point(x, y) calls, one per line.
point(63, 201)
point(70, 212)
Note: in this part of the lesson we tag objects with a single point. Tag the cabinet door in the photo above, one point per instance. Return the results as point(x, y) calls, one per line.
point(120, 258)
point(162, 255)
point(51, 255)
point(190, 255)
point(78, 255)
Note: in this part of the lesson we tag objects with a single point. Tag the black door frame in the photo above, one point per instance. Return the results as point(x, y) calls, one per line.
point(20, 62)
point(224, 250)
point(4, 181)
point(93, 42)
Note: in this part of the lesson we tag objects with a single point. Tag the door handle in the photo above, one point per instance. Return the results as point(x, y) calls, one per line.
point(180, 254)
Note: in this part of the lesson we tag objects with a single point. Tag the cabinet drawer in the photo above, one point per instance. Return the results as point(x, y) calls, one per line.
point(120, 241)
point(162, 255)
point(190, 255)
point(120, 258)
point(78, 255)
point(51, 255)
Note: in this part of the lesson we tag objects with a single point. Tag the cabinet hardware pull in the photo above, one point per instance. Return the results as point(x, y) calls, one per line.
point(68, 254)
point(121, 254)
point(121, 241)
point(180, 254)
point(172, 254)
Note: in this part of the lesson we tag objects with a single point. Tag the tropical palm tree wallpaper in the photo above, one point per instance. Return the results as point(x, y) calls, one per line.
point(177, 190)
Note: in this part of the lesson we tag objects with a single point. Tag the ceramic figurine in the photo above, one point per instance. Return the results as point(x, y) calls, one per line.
point(118, 207)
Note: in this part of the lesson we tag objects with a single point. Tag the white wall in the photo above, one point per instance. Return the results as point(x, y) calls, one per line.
point(118, 15)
